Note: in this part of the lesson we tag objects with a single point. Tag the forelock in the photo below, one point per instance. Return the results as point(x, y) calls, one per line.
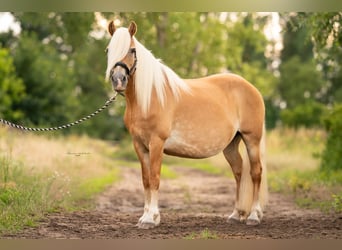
point(117, 48)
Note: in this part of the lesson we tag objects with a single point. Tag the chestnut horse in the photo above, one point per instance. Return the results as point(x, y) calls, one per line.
point(193, 118)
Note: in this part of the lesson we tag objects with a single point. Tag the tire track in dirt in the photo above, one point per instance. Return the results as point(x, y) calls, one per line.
point(189, 204)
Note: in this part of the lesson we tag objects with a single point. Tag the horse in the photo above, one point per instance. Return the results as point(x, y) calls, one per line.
point(190, 118)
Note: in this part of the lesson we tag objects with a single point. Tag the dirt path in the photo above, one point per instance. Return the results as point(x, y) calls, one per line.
point(190, 204)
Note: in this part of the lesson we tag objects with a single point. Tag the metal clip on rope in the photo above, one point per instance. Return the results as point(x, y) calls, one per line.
point(62, 126)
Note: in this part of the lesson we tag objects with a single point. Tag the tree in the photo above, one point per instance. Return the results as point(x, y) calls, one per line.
point(327, 36)
point(49, 82)
point(62, 67)
point(12, 90)
point(300, 83)
point(332, 154)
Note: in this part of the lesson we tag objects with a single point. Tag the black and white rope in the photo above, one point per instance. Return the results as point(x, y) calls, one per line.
point(62, 126)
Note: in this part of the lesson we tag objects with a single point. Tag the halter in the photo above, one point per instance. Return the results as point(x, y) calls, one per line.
point(129, 71)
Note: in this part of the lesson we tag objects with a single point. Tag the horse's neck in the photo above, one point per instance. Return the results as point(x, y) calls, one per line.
point(131, 100)
point(132, 104)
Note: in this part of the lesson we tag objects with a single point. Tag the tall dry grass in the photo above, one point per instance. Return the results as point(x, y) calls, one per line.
point(40, 173)
point(71, 156)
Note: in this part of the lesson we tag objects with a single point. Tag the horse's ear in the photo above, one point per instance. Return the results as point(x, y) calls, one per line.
point(111, 28)
point(132, 28)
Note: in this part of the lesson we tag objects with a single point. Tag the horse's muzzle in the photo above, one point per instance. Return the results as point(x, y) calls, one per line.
point(119, 82)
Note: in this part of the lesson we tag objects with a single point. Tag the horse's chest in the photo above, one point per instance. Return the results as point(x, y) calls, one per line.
point(139, 130)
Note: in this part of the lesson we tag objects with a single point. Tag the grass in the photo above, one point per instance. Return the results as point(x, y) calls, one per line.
point(40, 174)
point(310, 188)
point(293, 169)
point(85, 190)
point(23, 197)
point(204, 235)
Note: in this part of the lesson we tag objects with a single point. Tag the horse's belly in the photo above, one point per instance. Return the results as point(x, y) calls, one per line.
point(192, 145)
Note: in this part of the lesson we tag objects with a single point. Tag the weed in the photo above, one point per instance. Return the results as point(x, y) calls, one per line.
point(337, 202)
point(85, 190)
point(204, 234)
point(310, 188)
point(167, 172)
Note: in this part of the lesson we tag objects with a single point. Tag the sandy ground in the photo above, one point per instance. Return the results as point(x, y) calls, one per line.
point(193, 203)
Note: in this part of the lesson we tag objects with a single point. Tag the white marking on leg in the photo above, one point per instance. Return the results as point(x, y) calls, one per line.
point(151, 217)
point(147, 193)
point(154, 209)
point(256, 214)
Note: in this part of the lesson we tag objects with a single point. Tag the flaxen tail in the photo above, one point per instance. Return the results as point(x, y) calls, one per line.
point(246, 184)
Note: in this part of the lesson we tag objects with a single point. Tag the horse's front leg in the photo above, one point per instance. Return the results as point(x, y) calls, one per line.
point(151, 160)
point(144, 158)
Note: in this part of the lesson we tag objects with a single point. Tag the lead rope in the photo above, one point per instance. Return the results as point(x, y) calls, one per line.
point(62, 126)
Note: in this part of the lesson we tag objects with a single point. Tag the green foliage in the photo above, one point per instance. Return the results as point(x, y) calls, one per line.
point(12, 90)
point(337, 202)
point(23, 197)
point(48, 80)
point(296, 39)
point(62, 68)
point(167, 172)
point(332, 154)
point(310, 189)
point(325, 32)
point(84, 192)
point(308, 115)
point(205, 234)
point(300, 82)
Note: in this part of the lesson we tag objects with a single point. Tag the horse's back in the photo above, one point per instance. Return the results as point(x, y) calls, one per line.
point(241, 99)
point(227, 82)
point(234, 88)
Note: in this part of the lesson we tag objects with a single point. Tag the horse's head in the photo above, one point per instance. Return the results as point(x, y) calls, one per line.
point(125, 60)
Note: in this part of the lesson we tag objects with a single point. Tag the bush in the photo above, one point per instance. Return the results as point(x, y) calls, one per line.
point(307, 115)
point(332, 154)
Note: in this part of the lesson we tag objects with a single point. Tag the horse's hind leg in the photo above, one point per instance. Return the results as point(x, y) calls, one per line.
point(232, 155)
point(252, 141)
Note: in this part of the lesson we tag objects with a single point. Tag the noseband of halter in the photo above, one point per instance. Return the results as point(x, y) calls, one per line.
point(129, 71)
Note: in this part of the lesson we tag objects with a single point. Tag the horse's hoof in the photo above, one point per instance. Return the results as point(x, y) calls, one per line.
point(252, 222)
point(146, 225)
point(236, 219)
point(233, 221)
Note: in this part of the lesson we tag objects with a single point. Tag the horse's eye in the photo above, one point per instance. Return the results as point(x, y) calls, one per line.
point(132, 50)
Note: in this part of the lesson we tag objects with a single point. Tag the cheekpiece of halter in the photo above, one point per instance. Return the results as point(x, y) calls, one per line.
point(129, 71)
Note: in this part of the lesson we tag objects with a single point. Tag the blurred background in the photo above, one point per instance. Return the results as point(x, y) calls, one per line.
point(52, 68)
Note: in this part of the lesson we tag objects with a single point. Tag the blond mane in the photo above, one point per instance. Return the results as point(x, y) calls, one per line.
point(150, 73)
